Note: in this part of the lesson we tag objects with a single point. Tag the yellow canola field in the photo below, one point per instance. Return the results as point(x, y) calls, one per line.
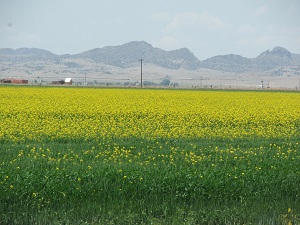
point(70, 114)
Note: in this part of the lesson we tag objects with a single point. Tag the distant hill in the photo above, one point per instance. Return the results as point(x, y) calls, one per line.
point(266, 61)
point(231, 63)
point(129, 54)
point(25, 52)
point(25, 55)
point(278, 56)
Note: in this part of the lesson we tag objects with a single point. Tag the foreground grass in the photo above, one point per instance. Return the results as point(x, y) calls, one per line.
point(167, 182)
point(203, 158)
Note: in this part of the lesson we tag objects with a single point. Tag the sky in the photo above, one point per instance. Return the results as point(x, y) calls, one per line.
point(206, 27)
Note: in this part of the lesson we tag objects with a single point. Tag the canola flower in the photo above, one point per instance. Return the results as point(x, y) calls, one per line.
point(168, 120)
point(39, 114)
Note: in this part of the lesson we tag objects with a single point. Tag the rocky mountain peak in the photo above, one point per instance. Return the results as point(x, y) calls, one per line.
point(276, 52)
point(268, 60)
point(280, 51)
point(141, 44)
point(183, 53)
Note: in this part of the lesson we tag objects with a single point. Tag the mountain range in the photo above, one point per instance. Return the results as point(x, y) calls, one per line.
point(129, 54)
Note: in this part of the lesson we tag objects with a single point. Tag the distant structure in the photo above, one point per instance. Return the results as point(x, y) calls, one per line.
point(57, 82)
point(14, 81)
point(68, 81)
point(6, 81)
point(19, 81)
point(262, 85)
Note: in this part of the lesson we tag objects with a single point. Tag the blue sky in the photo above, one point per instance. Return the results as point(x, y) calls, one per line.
point(207, 28)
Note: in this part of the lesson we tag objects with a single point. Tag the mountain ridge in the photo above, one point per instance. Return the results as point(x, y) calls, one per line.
point(128, 55)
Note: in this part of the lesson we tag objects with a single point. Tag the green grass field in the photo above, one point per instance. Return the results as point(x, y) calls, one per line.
point(118, 156)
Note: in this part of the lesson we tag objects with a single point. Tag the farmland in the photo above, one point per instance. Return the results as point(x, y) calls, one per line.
point(130, 156)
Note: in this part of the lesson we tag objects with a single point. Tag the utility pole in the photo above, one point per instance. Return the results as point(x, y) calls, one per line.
point(141, 72)
point(200, 82)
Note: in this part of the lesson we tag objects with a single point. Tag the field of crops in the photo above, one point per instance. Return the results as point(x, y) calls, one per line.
point(136, 156)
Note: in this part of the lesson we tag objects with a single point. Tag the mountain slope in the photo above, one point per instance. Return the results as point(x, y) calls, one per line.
point(278, 56)
point(25, 52)
point(266, 61)
point(130, 53)
point(26, 55)
point(230, 63)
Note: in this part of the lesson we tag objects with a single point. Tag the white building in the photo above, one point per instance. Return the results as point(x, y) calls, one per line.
point(68, 81)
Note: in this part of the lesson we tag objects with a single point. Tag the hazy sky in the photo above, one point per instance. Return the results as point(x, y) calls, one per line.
point(206, 27)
